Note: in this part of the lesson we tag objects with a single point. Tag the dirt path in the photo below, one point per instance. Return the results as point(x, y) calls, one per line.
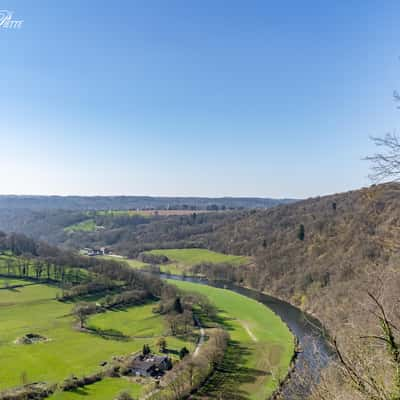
point(202, 336)
point(250, 333)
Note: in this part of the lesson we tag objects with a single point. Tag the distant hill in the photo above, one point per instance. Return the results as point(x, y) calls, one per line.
point(322, 253)
point(134, 202)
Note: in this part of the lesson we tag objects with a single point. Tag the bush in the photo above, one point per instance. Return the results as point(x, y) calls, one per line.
point(151, 258)
point(124, 396)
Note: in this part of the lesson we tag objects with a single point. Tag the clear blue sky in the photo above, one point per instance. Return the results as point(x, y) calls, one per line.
point(209, 98)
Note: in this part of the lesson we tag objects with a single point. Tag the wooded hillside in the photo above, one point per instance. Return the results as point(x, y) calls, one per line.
point(317, 253)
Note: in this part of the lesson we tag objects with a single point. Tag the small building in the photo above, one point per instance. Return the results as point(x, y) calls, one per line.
point(95, 252)
point(149, 365)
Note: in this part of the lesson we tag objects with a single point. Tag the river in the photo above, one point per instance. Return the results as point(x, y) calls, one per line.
point(315, 351)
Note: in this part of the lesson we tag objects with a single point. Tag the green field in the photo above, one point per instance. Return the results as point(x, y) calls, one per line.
point(131, 262)
point(135, 321)
point(196, 256)
point(5, 282)
point(261, 349)
point(258, 356)
point(170, 268)
point(136, 263)
point(181, 260)
point(88, 225)
point(34, 309)
point(107, 389)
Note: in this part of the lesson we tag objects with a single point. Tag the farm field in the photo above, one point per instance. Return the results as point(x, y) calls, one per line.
point(181, 260)
point(67, 351)
point(261, 349)
point(134, 321)
point(88, 225)
point(191, 257)
point(107, 389)
point(258, 356)
point(132, 263)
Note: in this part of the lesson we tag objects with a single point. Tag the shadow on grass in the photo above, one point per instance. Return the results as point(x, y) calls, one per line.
point(108, 334)
point(13, 288)
point(172, 351)
point(217, 319)
point(93, 297)
point(227, 379)
point(82, 391)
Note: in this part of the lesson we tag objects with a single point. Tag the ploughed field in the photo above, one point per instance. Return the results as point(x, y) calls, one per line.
point(260, 351)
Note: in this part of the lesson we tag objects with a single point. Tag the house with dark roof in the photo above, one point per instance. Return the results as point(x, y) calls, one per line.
point(149, 365)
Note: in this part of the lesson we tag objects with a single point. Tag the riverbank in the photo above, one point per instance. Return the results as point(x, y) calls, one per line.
point(316, 351)
point(261, 347)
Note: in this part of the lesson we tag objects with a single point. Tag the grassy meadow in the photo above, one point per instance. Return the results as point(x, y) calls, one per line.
point(34, 309)
point(258, 356)
point(181, 260)
point(6, 282)
point(197, 256)
point(134, 321)
point(261, 345)
point(87, 225)
point(107, 389)
point(132, 262)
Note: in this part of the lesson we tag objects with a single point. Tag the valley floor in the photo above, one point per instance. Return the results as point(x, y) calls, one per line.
point(257, 359)
point(260, 351)
point(67, 351)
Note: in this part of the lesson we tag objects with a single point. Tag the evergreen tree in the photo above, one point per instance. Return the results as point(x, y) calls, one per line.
point(146, 350)
point(301, 233)
point(178, 306)
point(183, 352)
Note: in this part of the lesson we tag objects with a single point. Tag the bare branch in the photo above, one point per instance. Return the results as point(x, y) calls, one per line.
point(386, 164)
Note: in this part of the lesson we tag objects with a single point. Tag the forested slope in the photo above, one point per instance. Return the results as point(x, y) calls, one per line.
point(350, 240)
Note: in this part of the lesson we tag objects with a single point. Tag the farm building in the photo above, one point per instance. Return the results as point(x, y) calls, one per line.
point(149, 365)
point(95, 252)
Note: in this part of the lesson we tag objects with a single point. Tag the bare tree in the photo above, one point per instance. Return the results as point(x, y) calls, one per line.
point(82, 311)
point(386, 163)
point(372, 370)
